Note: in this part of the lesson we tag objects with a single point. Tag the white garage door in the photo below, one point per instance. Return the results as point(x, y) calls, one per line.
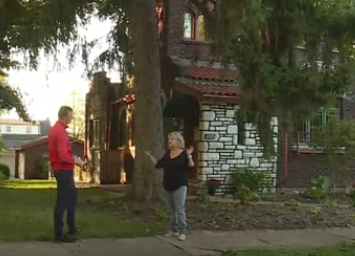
point(9, 160)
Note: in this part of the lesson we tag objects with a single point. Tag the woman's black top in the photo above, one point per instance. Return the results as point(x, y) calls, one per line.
point(176, 171)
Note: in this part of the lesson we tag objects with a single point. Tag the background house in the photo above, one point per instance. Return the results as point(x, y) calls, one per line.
point(15, 133)
point(32, 158)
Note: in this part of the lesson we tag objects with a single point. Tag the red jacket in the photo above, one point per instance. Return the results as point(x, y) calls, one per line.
point(59, 148)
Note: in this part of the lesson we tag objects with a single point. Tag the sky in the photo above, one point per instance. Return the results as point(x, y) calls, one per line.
point(44, 103)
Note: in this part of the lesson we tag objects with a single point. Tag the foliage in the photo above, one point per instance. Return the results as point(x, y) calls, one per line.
point(11, 98)
point(202, 194)
point(321, 186)
point(2, 146)
point(293, 56)
point(350, 191)
point(5, 171)
point(212, 185)
point(42, 168)
point(337, 141)
point(323, 182)
point(249, 183)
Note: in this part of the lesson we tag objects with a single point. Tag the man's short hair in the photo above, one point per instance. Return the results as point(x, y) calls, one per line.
point(64, 111)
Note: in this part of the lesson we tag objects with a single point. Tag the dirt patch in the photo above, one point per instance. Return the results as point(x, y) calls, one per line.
point(219, 216)
point(339, 198)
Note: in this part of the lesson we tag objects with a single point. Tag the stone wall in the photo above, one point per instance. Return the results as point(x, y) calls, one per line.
point(220, 151)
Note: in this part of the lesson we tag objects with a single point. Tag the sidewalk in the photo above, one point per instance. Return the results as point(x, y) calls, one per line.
point(197, 244)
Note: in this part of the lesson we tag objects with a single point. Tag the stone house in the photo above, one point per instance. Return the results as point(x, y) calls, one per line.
point(200, 98)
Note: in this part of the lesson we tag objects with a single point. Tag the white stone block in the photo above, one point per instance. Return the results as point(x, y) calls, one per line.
point(250, 141)
point(254, 162)
point(206, 170)
point(226, 139)
point(221, 128)
point(232, 129)
point(235, 139)
point(202, 177)
point(210, 156)
point(232, 161)
point(216, 145)
point(225, 167)
point(241, 161)
point(267, 165)
point(202, 164)
point(204, 125)
point(230, 113)
point(205, 107)
point(238, 154)
point(208, 115)
point(248, 154)
point(258, 154)
point(242, 147)
point(216, 123)
point(203, 146)
point(274, 121)
point(275, 129)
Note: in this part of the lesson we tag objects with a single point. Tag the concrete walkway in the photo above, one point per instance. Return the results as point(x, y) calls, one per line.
point(198, 243)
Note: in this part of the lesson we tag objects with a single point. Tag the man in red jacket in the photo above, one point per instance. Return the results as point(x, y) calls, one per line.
point(62, 162)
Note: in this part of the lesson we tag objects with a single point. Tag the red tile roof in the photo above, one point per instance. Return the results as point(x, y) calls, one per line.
point(210, 92)
point(213, 74)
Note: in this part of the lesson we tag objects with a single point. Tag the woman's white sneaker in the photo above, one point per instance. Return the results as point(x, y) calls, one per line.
point(182, 237)
point(172, 234)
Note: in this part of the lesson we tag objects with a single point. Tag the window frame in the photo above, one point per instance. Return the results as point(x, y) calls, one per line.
point(195, 27)
point(304, 136)
point(8, 128)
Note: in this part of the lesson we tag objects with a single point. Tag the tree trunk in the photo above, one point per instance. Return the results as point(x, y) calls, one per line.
point(148, 130)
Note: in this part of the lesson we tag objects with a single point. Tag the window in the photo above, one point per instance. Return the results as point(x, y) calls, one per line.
point(306, 129)
point(188, 25)
point(28, 129)
point(8, 128)
point(194, 28)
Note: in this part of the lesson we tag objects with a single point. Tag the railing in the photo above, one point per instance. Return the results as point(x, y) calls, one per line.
point(302, 140)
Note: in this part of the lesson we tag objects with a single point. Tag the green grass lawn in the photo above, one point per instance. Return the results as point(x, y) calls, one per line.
point(26, 212)
point(342, 250)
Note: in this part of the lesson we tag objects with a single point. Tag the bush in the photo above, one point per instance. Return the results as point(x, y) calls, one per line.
point(4, 171)
point(249, 183)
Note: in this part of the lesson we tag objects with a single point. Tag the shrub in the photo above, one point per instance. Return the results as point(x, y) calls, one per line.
point(249, 183)
point(4, 171)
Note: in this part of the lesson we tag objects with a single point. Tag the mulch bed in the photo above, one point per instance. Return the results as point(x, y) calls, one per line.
point(231, 216)
point(340, 198)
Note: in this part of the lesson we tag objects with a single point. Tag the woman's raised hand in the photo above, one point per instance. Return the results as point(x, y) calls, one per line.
point(190, 150)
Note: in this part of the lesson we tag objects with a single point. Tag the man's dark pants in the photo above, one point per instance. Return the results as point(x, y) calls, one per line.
point(66, 201)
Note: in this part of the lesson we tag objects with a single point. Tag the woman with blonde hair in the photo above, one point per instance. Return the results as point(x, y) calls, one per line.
point(176, 163)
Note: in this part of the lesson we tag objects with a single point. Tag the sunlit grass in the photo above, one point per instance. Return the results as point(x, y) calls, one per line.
point(27, 213)
point(36, 184)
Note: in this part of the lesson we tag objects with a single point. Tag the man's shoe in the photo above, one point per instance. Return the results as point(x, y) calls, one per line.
point(75, 232)
point(65, 239)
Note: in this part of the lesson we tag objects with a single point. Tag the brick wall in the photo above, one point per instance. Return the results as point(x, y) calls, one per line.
point(303, 166)
point(172, 37)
